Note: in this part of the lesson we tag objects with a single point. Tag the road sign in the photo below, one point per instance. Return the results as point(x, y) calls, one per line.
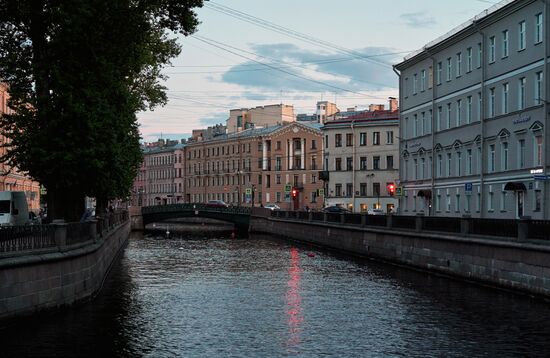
point(541, 177)
point(468, 187)
point(399, 191)
point(321, 192)
point(288, 188)
point(248, 191)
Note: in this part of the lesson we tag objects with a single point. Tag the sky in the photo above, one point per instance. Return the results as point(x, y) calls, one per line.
point(249, 53)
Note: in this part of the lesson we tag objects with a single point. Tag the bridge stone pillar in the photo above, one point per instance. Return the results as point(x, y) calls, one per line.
point(60, 233)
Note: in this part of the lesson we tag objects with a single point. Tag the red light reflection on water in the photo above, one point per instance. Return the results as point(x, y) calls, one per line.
point(294, 300)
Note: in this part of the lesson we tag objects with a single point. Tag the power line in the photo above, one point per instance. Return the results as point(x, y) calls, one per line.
point(288, 32)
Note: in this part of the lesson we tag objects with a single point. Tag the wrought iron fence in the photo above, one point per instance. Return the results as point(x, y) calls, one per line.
point(539, 229)
point(494, 227)
point(377, 220)
point(404, 222)
point(441, 224)
point(24, 238)
point(79, 232)
point(354, 219)
point(318, 216)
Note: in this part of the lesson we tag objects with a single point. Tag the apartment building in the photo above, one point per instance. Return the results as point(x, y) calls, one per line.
point(11, 179)
point(259, 117)
point(361, 160)
point(473, 118)
point(256, 166)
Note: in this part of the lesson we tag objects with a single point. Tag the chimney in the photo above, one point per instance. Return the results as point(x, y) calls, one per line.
point(394, 104)
point(376, 107)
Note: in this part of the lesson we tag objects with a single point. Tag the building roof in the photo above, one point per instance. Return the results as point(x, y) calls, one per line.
point(164, 149)
point(464, 27)
point(366, 118)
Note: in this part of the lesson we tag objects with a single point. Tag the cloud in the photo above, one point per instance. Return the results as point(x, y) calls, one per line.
point(214, 119)
point(418, 19)
point(355, 73)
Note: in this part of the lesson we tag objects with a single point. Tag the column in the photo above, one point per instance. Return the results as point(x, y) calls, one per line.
point(303, 140)
point(291, 155)
point(264, 154)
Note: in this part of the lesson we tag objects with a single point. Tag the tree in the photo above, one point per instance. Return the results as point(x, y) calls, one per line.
point(78, 72)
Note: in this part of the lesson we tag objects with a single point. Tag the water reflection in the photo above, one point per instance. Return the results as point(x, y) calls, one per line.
point(294, 301)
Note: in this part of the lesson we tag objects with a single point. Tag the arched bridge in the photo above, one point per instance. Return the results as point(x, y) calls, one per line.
point(240, 216)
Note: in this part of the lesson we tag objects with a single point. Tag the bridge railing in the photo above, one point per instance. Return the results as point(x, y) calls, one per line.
point(29, 239)
point(523, 229)
point(193, 207)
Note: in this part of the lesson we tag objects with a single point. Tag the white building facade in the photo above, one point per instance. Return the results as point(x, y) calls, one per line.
point(362, 161)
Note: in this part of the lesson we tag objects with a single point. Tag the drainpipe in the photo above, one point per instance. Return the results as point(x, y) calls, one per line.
point(401, 99)
point(353, 164)
point(482, 122)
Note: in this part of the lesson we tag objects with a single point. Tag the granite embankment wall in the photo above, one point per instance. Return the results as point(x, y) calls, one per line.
point(60, 275)
point(523, 266)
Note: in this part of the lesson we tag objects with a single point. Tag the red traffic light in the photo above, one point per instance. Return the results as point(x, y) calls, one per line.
point(294, 193)
point(391, 189)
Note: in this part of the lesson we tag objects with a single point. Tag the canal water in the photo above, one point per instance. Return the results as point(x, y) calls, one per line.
point(204, 296)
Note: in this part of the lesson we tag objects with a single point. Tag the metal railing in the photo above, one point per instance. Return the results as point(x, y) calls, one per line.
point(25, 238)
point(197, 206)
point(465, 226)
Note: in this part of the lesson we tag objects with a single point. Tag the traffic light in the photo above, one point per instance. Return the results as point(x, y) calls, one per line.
point(294, 193)
point(391, 189)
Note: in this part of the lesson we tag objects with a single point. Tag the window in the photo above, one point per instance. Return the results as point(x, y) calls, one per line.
point(438, 121)
point(415, 126)
point(469, 162)
point(389, 162)
point(457, 202)
point(521, 36)
point(468, 203)
point(423, 124)
point(337, 140)
point(503, 201)
point(376, 189)
point(349, 139)
point(422, 167)
point(362, 138)
point(492, 102)
point(492, 49)
point(458, 112)
point(521, 93)
point(449, 115)
point(376, 163)
point(469, 60)
point(479, 54)
point(326, 142)
point(448, 202)
point(505, 101)
point(363, 163)
point(349, 163)
point(538, 87)
point(479, 106)
point(423, 80)
point(521, 153)
point(278, 179)
point(459, 64)
point(458, 164)
point(505, 38)
point(538, 28)
point(363, 189)
point(438, 202)
point(376, 138)
point(449, 164)
point(538, 151)
point(491, 158)
point(538, 200)
point(338, 190)
point(468, 109)
point(313, 196)
point(338, 163)
point(278, 163)
point(439, 165)
point(504, 156)
point(449, 68)
point(415, 82)
point(349, 189)
point(439, 73)
point(490, 202)
point(389, 137)
point(313, 144)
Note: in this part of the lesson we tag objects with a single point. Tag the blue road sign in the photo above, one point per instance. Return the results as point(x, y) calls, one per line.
point(468, 187)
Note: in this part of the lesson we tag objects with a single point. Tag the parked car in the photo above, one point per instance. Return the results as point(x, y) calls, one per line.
point(336, 209)
point(216, 204)
point(376, 212)
point(272, 207)
point(13, 208)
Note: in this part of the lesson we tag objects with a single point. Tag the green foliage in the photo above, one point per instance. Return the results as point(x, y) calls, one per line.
point(78, 72)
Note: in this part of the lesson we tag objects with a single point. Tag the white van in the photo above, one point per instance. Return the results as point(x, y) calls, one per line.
point(13, 208)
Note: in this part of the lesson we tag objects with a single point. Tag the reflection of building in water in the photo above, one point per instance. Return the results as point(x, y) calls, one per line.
point(294, 300)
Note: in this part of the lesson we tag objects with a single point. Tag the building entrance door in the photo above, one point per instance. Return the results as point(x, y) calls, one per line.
point(519, 204)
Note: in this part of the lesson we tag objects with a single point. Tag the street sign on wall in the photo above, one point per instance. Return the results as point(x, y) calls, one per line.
point(399, 191)
point(288, 188)
point(468, 187)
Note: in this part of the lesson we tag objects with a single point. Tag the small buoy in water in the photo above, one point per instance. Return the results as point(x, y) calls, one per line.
point(310, 254)
point(180, 248)
point(167, 233)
